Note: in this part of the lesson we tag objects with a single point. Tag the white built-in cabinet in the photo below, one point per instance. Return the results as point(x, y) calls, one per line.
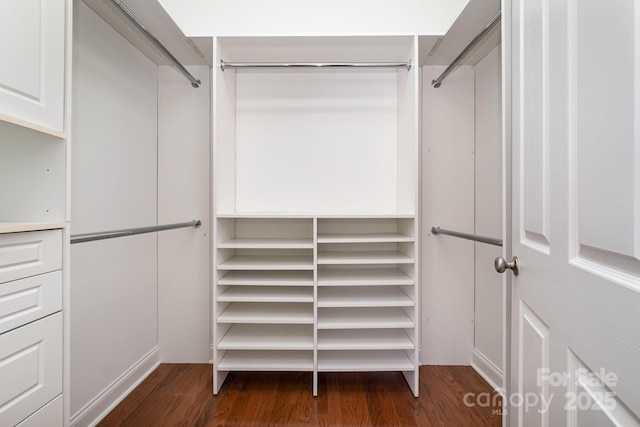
point(30, 323)
point(33, 212)
point(32, 44)
point(316, 229)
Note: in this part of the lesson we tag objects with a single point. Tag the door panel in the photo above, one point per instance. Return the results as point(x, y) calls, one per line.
point(533, 106)
point(592, 403)
point(534, 357)
point(576, 211)
point(604, 140)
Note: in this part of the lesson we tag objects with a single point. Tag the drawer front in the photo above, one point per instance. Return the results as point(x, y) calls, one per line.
point(30, 368)
point(25, 300)
point(49, 416)
point(27, 254)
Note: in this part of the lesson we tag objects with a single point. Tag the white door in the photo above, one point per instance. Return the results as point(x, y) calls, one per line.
point(575, 114)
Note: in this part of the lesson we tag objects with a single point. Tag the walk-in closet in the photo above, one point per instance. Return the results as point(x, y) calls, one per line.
point(299, 165)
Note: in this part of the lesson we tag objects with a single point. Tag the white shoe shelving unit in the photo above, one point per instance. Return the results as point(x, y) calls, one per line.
point(316, 208)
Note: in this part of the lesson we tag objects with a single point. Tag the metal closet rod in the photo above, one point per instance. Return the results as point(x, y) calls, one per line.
point(437, 82)
point(474, 237)
point(224, 65)
point(88, 237)
point(140, 26)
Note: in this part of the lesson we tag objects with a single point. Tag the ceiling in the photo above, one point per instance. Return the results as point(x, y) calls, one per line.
point(434, 50)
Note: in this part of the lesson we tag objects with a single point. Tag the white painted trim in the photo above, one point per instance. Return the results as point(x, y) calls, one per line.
point(110, 397)
point(487, 370)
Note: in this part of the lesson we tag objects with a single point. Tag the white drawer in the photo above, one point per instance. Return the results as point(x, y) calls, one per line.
point(30, 368)
point(25, 300)
point(27, 254)
point(50, 416)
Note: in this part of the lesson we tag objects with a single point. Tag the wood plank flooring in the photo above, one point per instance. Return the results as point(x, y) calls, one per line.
point(181, 395)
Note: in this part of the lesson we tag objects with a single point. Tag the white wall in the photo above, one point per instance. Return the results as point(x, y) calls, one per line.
point(295, 17)
point(298, 133)
point(184, 255)
point(447, 201)
point(487, 355)
point(114, 319)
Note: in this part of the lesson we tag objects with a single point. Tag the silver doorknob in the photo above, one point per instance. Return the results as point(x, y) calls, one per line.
point(501, 265)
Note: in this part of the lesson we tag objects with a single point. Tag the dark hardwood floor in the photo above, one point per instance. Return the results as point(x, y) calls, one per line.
point(181, 395)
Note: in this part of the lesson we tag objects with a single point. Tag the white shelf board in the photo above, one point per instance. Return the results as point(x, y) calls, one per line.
point(364, 339)
point(387, 296)
point(270, 215)
point(317, 48)
point(363, 257)
point(363, 277)
point(265, 215)
point(363, 361)
point(267, 278)
point(19, 227)
point(254, 262)
point(267, 294)
point(266, 360)
point(268, 337)
point(366, 216)
point(363, 318)
point(364, 238)
point(267, 243)
point(282, 313)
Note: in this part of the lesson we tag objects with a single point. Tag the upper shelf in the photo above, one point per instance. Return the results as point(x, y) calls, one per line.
point(318, 49)
point(196, 51)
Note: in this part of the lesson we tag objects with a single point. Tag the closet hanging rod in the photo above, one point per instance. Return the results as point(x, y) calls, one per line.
point(88, 237)
point(224, 65)
point(140, 26)
point(437, 82)
point(474, 237)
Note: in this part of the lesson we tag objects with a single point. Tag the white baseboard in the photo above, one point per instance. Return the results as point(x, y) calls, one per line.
point(102, 404)
point(487, 370)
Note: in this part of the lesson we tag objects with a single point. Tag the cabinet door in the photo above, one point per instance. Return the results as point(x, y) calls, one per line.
point(30, 368)
point(32, 48)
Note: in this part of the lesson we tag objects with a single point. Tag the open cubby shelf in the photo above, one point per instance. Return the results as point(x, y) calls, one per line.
point(267, 337)
point(266, 294)
point(364, 339)
point(379, 296)
point(267, 278)
point(364, 360)
point(273, 262)
point(249, 312)
point(363, 277)
point(266, 360)
point(292, 290)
